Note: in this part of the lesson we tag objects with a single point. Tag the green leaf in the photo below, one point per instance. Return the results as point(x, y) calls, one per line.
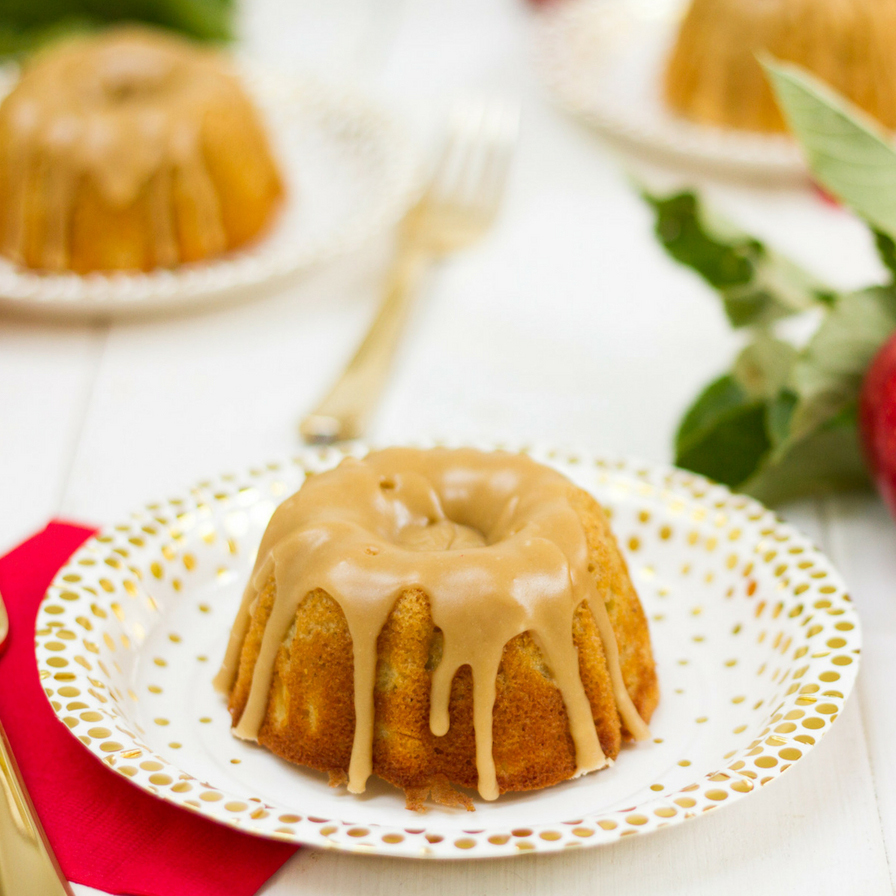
point(778, 416)
point(828, 375)
point(723, 435)
point(848, 152)
point(716, 400)
point(886, 249)
point(782, 424)
point(26, 25)
point(764, 367)
point(731, 451)
point(203, 19)
point(828, 460)
point(757, 285)
point(680, 228)
point(735, 445)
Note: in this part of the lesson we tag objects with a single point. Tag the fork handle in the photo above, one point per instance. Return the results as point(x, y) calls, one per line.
point(27, 863)
point(344, 412)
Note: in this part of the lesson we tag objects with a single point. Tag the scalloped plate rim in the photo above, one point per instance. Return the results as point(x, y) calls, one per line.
point(312, 836)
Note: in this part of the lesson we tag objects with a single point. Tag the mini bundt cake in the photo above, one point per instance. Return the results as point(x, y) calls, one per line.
point(714, 77)
point(441, 617)
point(130, 150)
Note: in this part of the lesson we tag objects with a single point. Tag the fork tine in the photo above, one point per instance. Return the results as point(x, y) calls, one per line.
point(445, 162)
point(470, 187)
point(464, 138)
point(473, 169)
point(503, 131)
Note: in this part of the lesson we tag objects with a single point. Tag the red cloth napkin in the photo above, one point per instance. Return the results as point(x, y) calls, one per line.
point(106, 833)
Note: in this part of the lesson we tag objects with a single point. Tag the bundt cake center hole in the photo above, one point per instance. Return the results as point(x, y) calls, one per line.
point(416, 518)
point(432, 534)
point(126, 90)
point(129, 79)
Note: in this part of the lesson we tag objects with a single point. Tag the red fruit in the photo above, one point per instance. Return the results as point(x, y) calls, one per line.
point(877, 420)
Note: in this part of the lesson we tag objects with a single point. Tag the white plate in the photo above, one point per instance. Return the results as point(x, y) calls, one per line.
point(757, 646)
point(603, 61)
point(350, 168)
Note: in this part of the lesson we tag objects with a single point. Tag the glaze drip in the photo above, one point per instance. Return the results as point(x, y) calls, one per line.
point(473, 531)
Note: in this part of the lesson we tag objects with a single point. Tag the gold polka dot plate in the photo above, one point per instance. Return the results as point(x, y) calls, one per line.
point(756, 640)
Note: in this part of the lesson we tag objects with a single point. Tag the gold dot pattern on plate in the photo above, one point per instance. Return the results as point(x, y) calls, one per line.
point(775, 625)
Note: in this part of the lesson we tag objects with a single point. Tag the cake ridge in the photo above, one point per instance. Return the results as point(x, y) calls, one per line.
point(713, 76)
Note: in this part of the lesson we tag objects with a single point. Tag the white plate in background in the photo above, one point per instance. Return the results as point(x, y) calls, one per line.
point(603, 61)
point(350, 169)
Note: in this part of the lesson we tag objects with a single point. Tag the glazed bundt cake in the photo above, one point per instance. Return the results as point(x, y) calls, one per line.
point(441, 617)
point(714, 77)
point(130, 150)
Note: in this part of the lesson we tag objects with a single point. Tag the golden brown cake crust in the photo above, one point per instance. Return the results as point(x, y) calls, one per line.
point(130, 150)
point(310, 717)
point(713, 75)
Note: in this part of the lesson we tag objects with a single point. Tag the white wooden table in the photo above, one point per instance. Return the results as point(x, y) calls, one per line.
point(568, 325)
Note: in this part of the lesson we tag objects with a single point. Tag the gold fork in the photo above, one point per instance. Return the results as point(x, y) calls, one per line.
point(456, 210)
point(27, 863)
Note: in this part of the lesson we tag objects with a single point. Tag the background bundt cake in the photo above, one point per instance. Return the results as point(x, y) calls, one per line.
point(130, 150)
point(713, 76)
point(441, 617)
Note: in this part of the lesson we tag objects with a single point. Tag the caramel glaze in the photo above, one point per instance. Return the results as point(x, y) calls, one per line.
point(492, 539)
point(121, 114)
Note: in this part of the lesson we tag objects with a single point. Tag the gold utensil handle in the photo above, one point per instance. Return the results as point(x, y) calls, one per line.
point(343, 413)
point(27, 863)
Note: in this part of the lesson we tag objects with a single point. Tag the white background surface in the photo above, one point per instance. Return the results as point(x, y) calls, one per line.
point(566, 325)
